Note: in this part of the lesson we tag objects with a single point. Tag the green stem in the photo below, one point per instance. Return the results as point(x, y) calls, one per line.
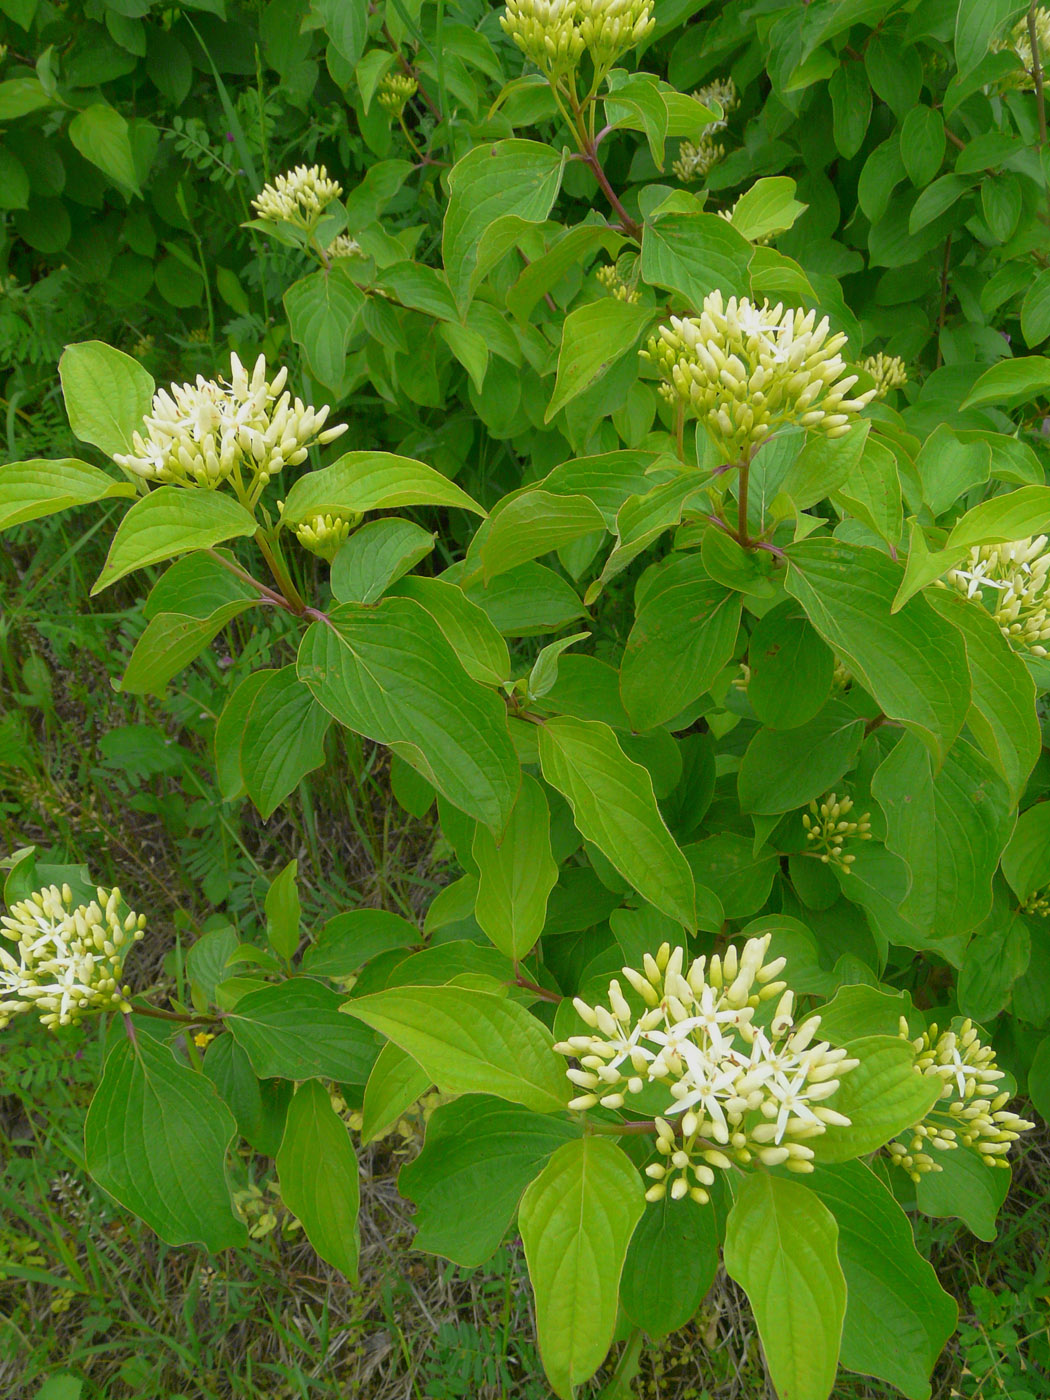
point(272, 554)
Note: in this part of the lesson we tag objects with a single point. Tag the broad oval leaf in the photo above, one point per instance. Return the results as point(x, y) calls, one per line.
point(671, 1264)
point(317, 1171)
point(785, 768)
point(576, 1221)
point(516, 874)
point(296, 1030)
point(30, 490)
point(394, 1085)
point(362, 481)
point(107, 394)
point(280, 738)
point(882, 1096)
point(156, 1139)
point(172, 520)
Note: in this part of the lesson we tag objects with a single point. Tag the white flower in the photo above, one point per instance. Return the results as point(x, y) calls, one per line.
point(70, 959)
point(299, 196)
point(1013, 582)
point(1020, 41)
point(214, 431)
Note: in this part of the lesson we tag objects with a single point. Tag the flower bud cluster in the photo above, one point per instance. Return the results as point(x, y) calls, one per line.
point(971, 1111)
point(324, 535)
point(1038, 902)
point(343, 246)
point(888, 371)
point(395, 90)
point(1020, 41)
point(828, 827)
point(614, 284)
point(553, 34)
point(1011, 580)
point(746, 370)
point(206, 433)
point(696, 159)
point(723, 91)
point(299, 197)
point(736, 1091)
point(67, 960)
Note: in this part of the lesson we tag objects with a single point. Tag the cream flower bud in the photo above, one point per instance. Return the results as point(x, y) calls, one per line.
point(297, 197)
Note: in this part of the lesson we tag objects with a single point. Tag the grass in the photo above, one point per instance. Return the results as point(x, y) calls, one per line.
point(86, 1293)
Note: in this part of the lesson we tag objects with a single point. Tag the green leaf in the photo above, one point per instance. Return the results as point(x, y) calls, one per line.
point(823, 465)
point(490, 182)
point(937, 199)
point(912, 662)
point(1026, 860)
point(1025, 511)
point(469, 632)
point(593, 338)
point(346, 27)
point(322, 310)
point(376, 556)
point(534, 523)
point(670, 1266)
point(20, 96)
point(873, 492)
point(33, 489)
point(317, 1171)
point(103, 137)
point(479, 1155)
point(1010, 382)
point(781, 1247)
point(544, 674)
point(1039, 1079)
point(284, 912)
point(882, 1096)
point(694, 254)
point(564, 253)
point(994, 961)
point(389, 673)
point(977, 22)
point(296, 1030)
point(576, 1221)
point(107, 394)
point(964, 1189)
point(613, 806)
point(394, 1085)
point(471, 1042)
point(347, 941)
point(922, 144)
point(170, 642)
point(785, 768)
point(156, 1139)
point(229, 731)
point(684, 633)
point(729, 865)
point(259, 1105)
point(859, 1011)
point(768, 207)
point(361, 481)
point(1035, 310)
point(516, 874)
point(950, 825)
point(791, 668)
point(281, 739)
point(850, 107)
point(170, 521)
point(196, 586)
point(898, 1317)
point(1002, 716)
point(635, 103)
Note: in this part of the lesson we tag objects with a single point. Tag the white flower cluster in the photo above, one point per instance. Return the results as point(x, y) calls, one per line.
point(888, 371)
point(971, 1111)
point(745, 370)
point(828, 827)
point(299, 197)
point(1011, 580)
point(395, 90)
point(736, 1091)
point(696, 159)
point(67, 959)
point(324, 535)
point(1020, 41)
point(206, 433)
point(553, 34)
point(343, 246)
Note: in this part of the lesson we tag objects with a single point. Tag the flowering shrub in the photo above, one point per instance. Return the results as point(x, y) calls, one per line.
point(681, 1003)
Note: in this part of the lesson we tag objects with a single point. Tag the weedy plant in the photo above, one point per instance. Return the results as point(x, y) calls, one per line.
point(747, 880)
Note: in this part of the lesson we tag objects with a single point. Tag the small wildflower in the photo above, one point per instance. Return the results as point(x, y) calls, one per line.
point(68, 959)
point(888, 371)
point(736, 1092)
point(1012, 581)
point(828, 827)
point(697, 159)
point(203, 1039)
point(971, 1111)
point(395, 91)
point(210, 432)
point(746, 370)
point(299, 197)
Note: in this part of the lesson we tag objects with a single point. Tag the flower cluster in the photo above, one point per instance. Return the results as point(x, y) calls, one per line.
point(723, 91)
point(324, 535)
point(1038, 902)
point(828, 827)
point(298, 197)
point(745, 370)
point(888, 371)
point(695, 160)
point(1020, 41)
point(395, 90)
point(553, 34)
point(736, 1091)
point(614, 284)
point(1011, 580)
point(67, 959)
point(971, 1111)
point(343, 246)
point(206, 433)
